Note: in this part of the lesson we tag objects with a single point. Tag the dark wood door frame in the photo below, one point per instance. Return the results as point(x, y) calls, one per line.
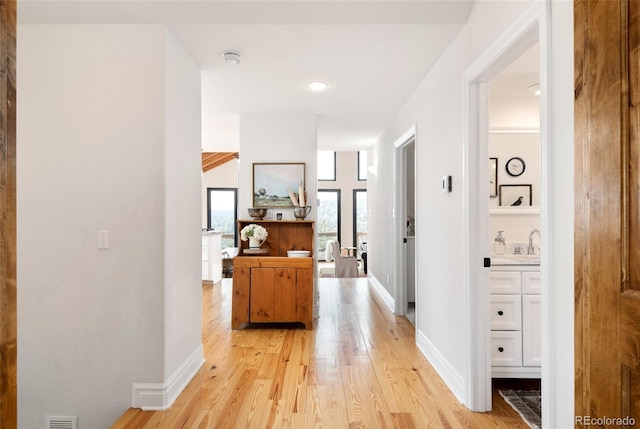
point(607, 211)
point(8, 246)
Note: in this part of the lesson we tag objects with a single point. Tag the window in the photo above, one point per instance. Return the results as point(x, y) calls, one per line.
point(326, 165)
point(222, 214)
point(362, 165)
point(359, 218)
point(328, 223)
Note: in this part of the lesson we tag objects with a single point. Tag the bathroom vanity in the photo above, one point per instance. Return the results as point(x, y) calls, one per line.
point(515, 317)
point(211, 256)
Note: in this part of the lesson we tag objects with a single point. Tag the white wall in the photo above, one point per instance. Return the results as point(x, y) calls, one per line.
point(183, 183)
point(514, 113)
point(277, 138)
point(439, 124)
point(504, 146)
point(91, 152)
point(520, 222)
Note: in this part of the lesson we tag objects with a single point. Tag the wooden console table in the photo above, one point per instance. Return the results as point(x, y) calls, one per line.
point(273, 287)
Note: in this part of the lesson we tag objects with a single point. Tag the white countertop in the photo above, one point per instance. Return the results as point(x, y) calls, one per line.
point(212, 232)
point(515, 260)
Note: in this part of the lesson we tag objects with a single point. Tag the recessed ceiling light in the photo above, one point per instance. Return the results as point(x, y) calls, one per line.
point(535, 88)
point(231, 58)
point(317, 86)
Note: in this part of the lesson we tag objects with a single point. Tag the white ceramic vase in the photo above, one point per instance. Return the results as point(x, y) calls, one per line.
point(255, 243)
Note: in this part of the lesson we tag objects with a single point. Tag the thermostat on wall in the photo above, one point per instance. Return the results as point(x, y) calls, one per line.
point(446, 183)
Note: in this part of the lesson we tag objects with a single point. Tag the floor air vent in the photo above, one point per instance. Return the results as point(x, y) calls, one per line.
point(62, 422)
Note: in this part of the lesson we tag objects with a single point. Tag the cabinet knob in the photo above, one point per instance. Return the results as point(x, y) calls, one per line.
point(500, 349)
point(500, 313)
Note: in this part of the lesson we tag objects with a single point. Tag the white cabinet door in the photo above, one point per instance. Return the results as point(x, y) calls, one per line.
point(205, 258)
point(531, 282)
point(531, 330)
point(505, 282)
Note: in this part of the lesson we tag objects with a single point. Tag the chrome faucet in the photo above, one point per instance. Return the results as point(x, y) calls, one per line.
point(530, 249)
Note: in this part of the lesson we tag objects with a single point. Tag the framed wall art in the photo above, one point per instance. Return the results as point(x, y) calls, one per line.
point(493, 177)
point(272, 182)
point(515, 195)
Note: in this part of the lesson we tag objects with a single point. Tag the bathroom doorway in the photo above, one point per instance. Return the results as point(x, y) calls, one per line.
point(409, 151)
point(525, 33)
point(405, 294)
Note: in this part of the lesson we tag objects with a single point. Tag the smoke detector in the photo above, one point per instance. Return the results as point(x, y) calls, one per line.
point(231, 58)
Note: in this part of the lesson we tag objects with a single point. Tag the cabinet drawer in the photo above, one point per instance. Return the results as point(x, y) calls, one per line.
point(531, 282)
point(531, 330)
point(506, 348)
point(505, 282)
point(506, 312)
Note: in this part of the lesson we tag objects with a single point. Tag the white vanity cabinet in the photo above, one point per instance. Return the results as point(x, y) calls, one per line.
point(211, 256)
point(515, 321)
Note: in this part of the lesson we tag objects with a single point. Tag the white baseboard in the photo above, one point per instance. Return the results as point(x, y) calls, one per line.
point(382, 293)
point(451, 377)
point(160, 396)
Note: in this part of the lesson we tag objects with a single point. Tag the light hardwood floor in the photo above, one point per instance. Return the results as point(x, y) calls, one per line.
point(359, 368)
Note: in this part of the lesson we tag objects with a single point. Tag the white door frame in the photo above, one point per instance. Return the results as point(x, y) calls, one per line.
point(399, 224)
point(521, 35)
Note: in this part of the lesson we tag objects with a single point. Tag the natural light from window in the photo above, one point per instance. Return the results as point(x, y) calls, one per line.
point(362, 165)
point(326, 165)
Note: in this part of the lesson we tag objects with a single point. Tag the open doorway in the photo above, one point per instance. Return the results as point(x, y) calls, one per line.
point(410, 233)
point(514, 225)
point(517, 40)
point(405, 295)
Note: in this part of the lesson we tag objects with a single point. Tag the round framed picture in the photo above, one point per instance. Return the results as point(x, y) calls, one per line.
point(515, 166)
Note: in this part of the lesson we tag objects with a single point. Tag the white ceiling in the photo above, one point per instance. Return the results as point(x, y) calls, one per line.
point(373, 55)
point(514, 81)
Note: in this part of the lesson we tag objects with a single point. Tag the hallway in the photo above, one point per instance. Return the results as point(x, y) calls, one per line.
point(359, 368)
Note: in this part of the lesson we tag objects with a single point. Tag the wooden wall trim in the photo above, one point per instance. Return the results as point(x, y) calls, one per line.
point(8, 251)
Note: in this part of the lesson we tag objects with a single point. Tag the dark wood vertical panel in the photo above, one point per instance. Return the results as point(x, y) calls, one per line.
point(580, 219)
point(8, 251)
point(630, 303)
point(633, 141)
point(607, 235)
point(604, 206)
point(599, 208)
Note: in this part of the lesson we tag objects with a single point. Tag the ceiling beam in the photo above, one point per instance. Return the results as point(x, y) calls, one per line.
point(211, 160)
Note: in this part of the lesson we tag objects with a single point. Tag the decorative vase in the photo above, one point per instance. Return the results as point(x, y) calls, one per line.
point(301, 212)
point(255, 243)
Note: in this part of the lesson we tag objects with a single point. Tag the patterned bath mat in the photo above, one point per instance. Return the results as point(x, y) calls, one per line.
point(527, 403)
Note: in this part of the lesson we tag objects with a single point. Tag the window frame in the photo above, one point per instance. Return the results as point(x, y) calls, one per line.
point(355, 218)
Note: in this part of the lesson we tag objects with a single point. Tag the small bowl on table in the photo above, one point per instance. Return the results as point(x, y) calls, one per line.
point(257, 213)
point(298, 253)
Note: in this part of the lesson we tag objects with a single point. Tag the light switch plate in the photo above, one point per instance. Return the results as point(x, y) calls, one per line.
point(446, 184)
